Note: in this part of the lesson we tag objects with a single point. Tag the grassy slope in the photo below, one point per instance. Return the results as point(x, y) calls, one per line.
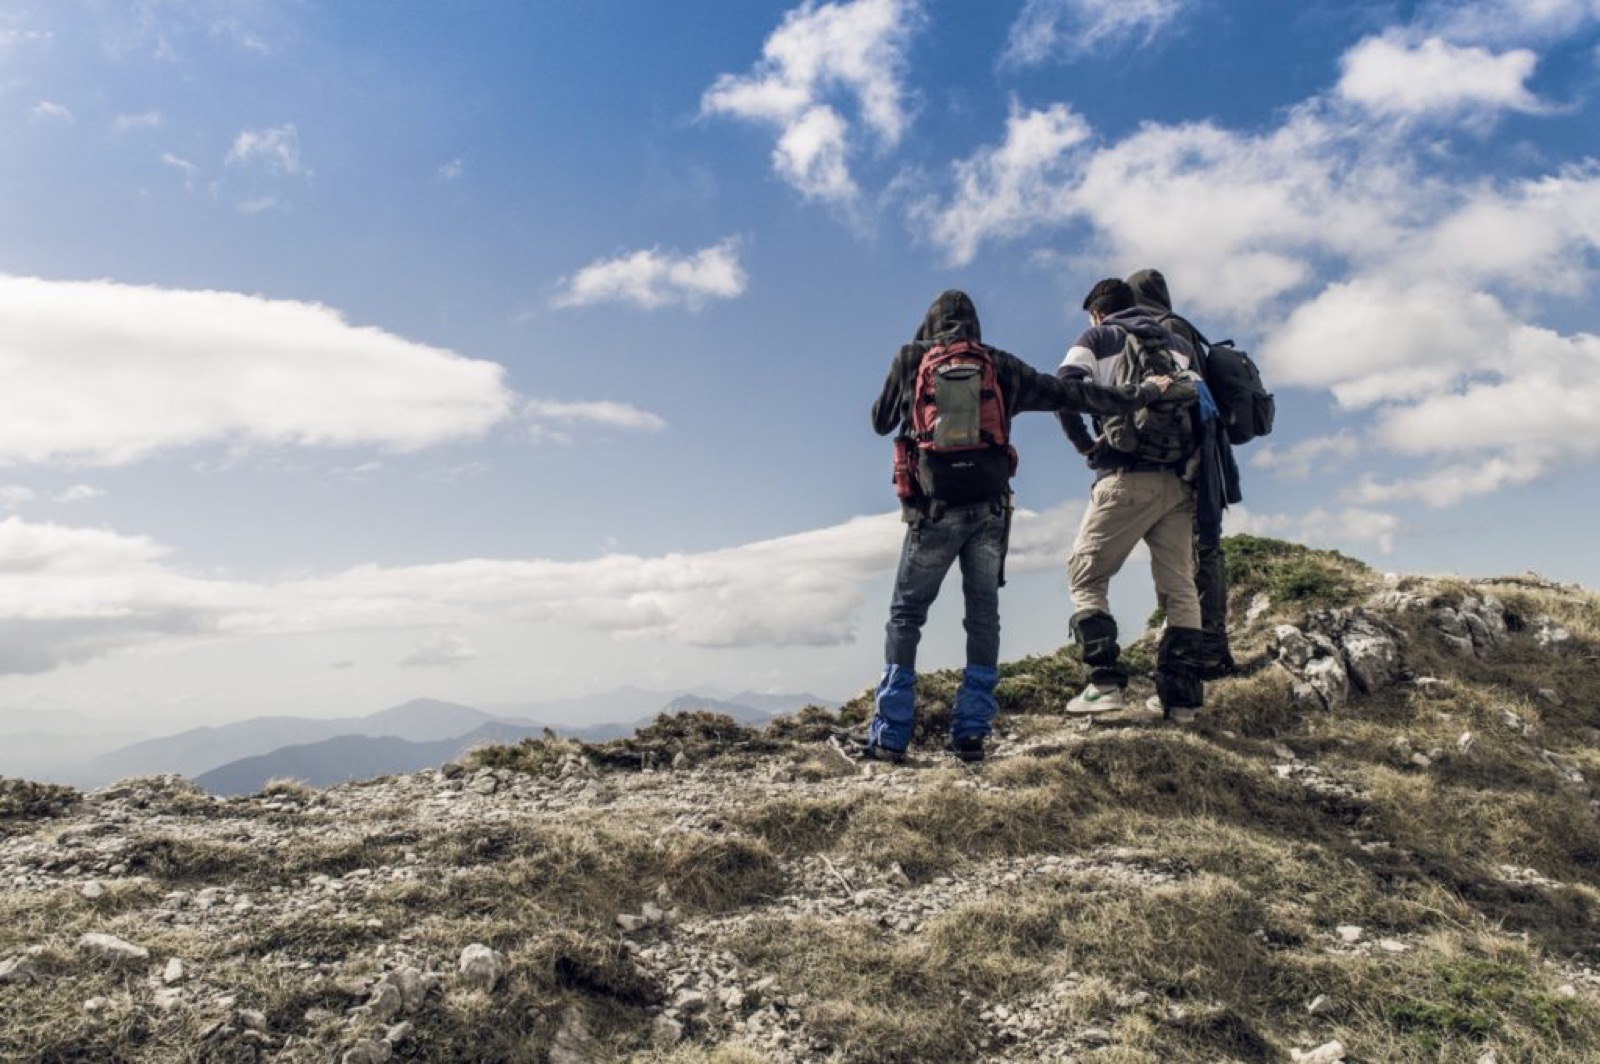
point(1205, 869)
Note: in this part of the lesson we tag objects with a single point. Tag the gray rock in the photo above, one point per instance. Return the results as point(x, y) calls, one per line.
point(111, 948)
point(173, 972)
point(574, 1044)
point(666, 1031)
point(481, 967)
point(367, 1051)
point(1327, 1053)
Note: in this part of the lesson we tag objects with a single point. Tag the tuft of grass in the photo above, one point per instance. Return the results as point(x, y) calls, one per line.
point(1292, 573)
point(25, 799)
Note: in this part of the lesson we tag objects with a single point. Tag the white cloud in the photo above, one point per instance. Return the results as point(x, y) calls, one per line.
point(188, 169)
point(653, 279)
point(558, 422)
point(72, 594)
point(1019, 186)
point(1348, 529)
point(451, 170)
point(99, 373)
point(1451, 484)
point(52, 111)
point(144, 120)
point(78, 493)
point(821, 53)
point(1048, 29)
point(445, 652)
point(1509, 21)
point(1392, 76)
point(15, 495)
point(277, 149)
point(1319, 454)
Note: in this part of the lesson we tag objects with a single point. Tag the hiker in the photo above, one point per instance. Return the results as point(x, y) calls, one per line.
point(1139, 493)
point(1216, 487)
point(952, 398)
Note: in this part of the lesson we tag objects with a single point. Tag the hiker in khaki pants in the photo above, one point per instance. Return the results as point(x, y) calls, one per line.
point(1140, 494)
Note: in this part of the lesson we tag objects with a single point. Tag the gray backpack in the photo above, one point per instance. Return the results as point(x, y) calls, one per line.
point(1162, 433)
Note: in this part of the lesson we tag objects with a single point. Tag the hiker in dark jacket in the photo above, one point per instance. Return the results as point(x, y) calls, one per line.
point(1216, 487)
point(940, 532)
point(1135, 498)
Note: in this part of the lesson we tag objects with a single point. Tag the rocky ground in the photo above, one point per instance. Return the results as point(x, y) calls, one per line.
point(1380, 845)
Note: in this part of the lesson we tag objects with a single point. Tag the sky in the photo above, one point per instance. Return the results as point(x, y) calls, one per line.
point(503, 351)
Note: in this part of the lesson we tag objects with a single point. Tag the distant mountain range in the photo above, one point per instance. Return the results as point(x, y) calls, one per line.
point(240, 758)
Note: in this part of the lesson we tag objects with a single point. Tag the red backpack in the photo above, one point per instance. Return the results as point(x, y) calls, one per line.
point(958, 426)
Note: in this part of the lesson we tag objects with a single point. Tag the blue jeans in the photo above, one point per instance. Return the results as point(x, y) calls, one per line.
point(974, 535)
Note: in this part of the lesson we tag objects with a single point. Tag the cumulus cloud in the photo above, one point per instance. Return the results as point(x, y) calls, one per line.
point(72, 594)
point(445, 652)
point(276, 149)
point(559, 421)
point(1348, 528)
point(49, 110)
point(1051, 29)
point(821, 55)
point(1298, 461)
point(1021, 185)
point(652, 279)
point(1392, 76)
point(78, 493)
point(99, 373)
point(15, 495)
point(451, 170)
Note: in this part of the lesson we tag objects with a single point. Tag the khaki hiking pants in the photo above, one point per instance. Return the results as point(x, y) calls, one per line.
point(1124, 507)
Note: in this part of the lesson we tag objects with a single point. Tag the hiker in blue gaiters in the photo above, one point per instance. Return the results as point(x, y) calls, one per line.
point(952, 397)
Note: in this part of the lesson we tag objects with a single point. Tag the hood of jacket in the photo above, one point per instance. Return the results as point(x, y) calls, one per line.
point(1150, 289)
point(1142, 323)
point(950, 317)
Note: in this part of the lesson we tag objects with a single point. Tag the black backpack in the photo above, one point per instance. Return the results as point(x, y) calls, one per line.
point(1247, 408)
point(1164, 431)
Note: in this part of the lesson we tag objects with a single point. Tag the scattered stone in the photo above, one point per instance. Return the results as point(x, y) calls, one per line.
point(367, 1051)
point(1391, 945)
point(481, 967)
point(97, 1004)
point(1566, 990)
point(574, 1044)
point(167, 998)
point(666, 1031)
point(111, 948)
point(398, 1033)
point(1327, 1053)
point(1349, 933)
point(253, 1019)
point(1320, 1005)
point(1466, 742)
point(17, 970)
point(1488, 1056)
point(173, 972)
point(92, 890)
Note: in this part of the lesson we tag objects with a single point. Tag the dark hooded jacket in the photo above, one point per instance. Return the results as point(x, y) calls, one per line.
point(1217, 482)
point(1105, 341)
point(952, 316)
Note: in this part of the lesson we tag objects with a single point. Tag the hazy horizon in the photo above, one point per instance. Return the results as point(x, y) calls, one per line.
point(506, 352)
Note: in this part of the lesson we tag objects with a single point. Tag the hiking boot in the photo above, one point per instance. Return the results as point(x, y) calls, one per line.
point(968, 749)
point(1176, 714)
point(1097, 698)
point(867, 750)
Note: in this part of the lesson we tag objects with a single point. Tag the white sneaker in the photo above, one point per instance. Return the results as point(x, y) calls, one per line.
point(1097, 698)
point(1177, 714)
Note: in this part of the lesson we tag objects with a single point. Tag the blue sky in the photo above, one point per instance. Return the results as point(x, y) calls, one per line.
point(500, 351)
